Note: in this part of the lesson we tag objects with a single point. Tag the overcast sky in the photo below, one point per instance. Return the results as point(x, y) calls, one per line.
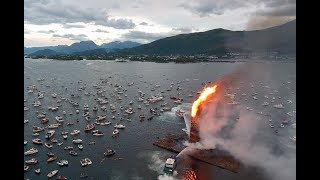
point(54, 22)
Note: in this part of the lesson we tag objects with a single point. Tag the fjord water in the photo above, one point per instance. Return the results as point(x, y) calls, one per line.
point(141, 160)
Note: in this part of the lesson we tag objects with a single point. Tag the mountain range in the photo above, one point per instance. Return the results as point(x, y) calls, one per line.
point(281, 39)
point(79, 47)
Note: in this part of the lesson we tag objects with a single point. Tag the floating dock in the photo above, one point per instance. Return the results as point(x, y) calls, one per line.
point(214, 157)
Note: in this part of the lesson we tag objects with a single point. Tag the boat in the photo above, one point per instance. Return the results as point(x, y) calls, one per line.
point(105, 123)
point(31, 161)
point(70, 123)
point(119, 126)
point(64, 133)
point(37, 171)
point(68, 148)
point(73, 153)
point(35, 134)
point(31, 151)
point(89, 127)
point(59, 119)
point(50, 154)
point(52, 158)
point(49, 134)
point(279, 106)
point(52, 173)
point(53, 126)
point(53, 140)
point(75, 132)
point(26, 121)
point(100, 118)
point(177, 101)
point(62, 162)
point(265, 104)
point(109, 152)
point(170, 166)
point(37, 141)
point(85, 162)
point(37, 129)
point(98, 133)
point(77, 141)
point(180, 113)
point(65, 136)
point(44, 120)
point(115, 132)
point(95, 108)
point(293, 138)
point(25, 142)
point(80, 146)
point(61, 177)
point(26, 168)
point(60, 143)
point(54, 95)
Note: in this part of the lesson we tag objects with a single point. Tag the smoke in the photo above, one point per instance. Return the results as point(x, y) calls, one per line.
point(263, 22)
point(246, 134)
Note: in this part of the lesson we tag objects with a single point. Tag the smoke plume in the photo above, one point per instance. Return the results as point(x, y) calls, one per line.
point(244, 133)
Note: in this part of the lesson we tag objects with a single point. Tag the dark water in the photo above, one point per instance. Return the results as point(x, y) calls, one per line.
point(141, 160)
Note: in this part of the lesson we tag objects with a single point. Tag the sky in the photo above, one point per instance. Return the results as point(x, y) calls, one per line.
point(63, 22)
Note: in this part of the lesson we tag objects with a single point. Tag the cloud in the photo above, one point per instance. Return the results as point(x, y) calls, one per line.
point(183, 29)
point(101, 31)
point(80, 37)
point(205, 8)
point(144, 24)
point(68, 26)
point(48, 12)
point(140, 35)
point(47, 32)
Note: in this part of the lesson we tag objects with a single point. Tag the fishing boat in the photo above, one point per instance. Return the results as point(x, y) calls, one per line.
point(89, 127)
point(48, 145)
point(31, 151)
point(109, 152)
point(77, 141)
point(52, 158)
point(31, 161)
point(37, 141)
point(52, 173)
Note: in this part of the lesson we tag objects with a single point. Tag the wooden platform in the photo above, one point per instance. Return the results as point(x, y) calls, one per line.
point(215, 157)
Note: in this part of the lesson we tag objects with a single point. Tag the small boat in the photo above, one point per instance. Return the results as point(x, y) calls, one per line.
point(115, 132)
point(93, 142)
point(80, 146)
point(52, 173)
point(77, 141)
point(61, 177)
point(37, 171)
point(49, 134)
point(68, 148)
point(100, 118)
point(75, 132)
point(83, 175)
point(89, 127)
point(64, 133)
point(279, 106)
point(37, 141)
point(62, 162)
point(85, 162)
point(44, 120)
point(25, 142)
point(53, 140)
point(98, 133)
point(31, 161)
point(31, 151)
point(60, 143)
point(70, 123)
point(73, 153)
point(180, 113)
point(119, 126)
point(265, 104)
point(54, 95)
point(105, 123)
point(109, 152)
point(52, 158)
point(59, 119)
point(37, 129)
point(50, 154)
point(271, 125)
point(65, 136)
point(95, 108)
point(26, 121)
point(26, 168)
point(35, 134)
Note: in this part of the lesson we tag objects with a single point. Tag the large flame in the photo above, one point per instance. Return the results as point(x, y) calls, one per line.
point(203, 96)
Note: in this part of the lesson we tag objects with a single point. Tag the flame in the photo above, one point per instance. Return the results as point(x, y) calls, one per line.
point(203, 96)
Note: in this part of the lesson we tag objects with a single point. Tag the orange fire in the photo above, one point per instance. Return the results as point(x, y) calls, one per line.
point(203, 96)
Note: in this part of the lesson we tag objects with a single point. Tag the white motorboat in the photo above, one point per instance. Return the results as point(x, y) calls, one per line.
point(31, 151)
point(53, 126)
point(25, 108)
point(85, 162)
point(54, 95)
point(98, 133)
point(115, 132)
point(80, 146)
point(63, 162)
point(105, 123)
point(25, 142)
point(52, 173)
point(60, 143)
point(279, 106)
point(73, 153)
point(119, 126)
point(49, 134)
point(59, 119)
point(68, 148)
point(265, 104)
point(75, 132)
point(26, 168)
point(65, 136)
point(37, 141)
point(37, 171)
point(100, 118)
point(48, 145)
point(77, 141)
point(26, 121)
point(31, 161)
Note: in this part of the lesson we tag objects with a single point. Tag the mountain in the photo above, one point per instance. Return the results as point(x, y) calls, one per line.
point(45, 52)
point(119, 45)
point(220, 41)
point(84, 46)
